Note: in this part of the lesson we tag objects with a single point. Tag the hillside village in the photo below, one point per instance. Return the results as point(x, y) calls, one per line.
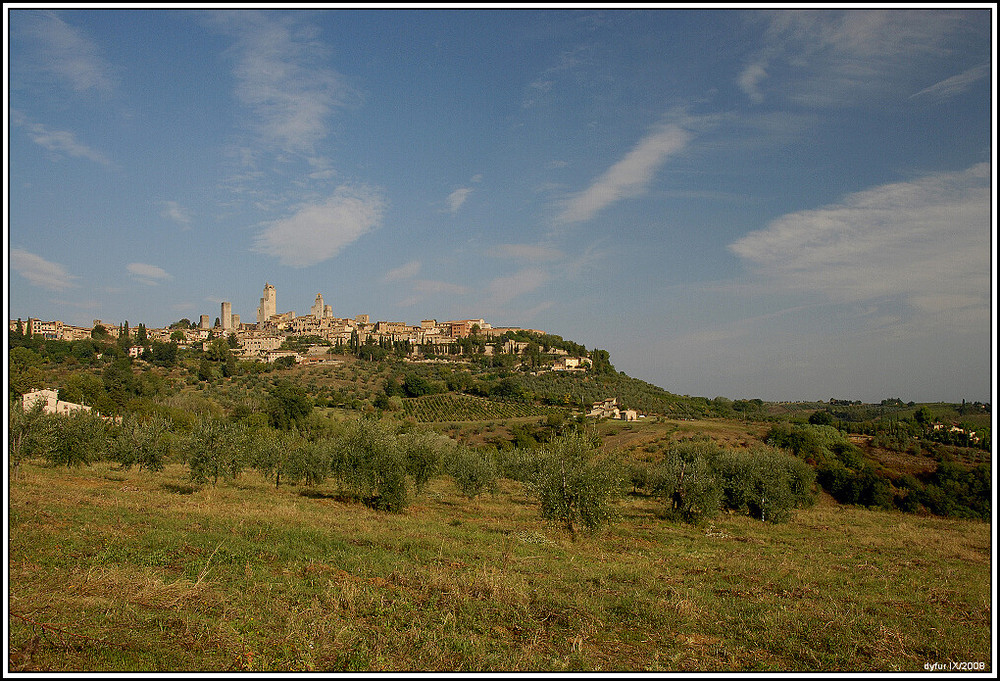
point(319, 336)
point(263, 340)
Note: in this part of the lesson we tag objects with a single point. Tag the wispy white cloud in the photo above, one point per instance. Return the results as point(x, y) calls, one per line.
point(78, 304)
point(431, 286)
point(174, 211)
point(949, 87)
point(41, 272)
point(750, 79)
point(502, 290)
point(407, 271)
point(60, 142)
point(925, 241)
point(319, 231)
point(824, 58)
point(67, 53)
point(568, 66)
point(629, 177)
point(282, 77)
point(457, 198)
point(150, 275)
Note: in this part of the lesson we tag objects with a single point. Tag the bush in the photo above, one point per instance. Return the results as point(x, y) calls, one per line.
point(953, 490)
point(474, 471)
point(288, 406)
point(575, 487)
point(31, 433)
point(688, 487)
point(80, 439)
point(520, 464)
point(216, 449)
point(306, 462)
point(765, 483)
point(140, 442)
point(369, 458)
point(424, 452)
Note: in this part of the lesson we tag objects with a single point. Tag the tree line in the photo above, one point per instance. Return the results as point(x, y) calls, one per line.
point(385, 465)
point(845, 473)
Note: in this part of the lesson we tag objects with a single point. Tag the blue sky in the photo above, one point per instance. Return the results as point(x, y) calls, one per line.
point(776, 204)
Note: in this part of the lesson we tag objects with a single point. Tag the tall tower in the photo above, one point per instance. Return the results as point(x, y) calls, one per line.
point(317, 308)
point(268, 305)
point(227, 316)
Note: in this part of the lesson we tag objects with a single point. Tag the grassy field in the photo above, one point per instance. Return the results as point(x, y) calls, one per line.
point(136, 571)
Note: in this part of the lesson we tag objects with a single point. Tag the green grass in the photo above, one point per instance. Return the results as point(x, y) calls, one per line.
point(135, 571)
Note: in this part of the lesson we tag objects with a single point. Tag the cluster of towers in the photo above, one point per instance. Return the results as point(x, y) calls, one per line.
point(227, 320)
point(267, 310)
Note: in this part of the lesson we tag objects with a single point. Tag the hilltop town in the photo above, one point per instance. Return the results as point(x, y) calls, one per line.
point(264, 339)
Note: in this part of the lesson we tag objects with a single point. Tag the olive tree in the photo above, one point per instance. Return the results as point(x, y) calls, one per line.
point(474, 472)
point(80, 439)
point(217, 449)
point(368, 457)
point(31, 433)
point(140, 442)
point(765, 483)
point(688, 486)
point(575, 486)
point(424, 452)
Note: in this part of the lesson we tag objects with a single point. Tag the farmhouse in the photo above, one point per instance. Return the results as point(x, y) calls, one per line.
point(611, 409)
point(51, 404)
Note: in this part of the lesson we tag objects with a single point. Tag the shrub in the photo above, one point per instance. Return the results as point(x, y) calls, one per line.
point(288, 406)
point(424, 452)
point(687, 486)
point(140, 442)
point(765, 483)
point(369, 458)
point(520, 464)
point(80, 439)
point(307, 462)
point(574, 486)
point(281, 455)
point(474, 471)
point(217, 449)
point(31, 433)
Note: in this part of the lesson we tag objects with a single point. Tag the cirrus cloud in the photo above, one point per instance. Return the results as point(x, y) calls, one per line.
point(150, 275)
point(407, 271)
point(67, 53)
point(824, 58)
point(282, 78)
point(925, 241)
point(457, 198)
point(41, 272)
point(957, 84)
point(174, 211)
point(59, 142)
point(629, 177)
point(319, 231)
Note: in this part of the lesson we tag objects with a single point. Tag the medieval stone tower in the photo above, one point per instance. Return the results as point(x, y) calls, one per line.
point(268, 305)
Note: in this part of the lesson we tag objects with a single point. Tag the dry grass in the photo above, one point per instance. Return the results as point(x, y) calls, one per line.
point(113, 571)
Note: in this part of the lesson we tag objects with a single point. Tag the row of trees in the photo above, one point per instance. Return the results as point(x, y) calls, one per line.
point(697, 479)
point(384, 465)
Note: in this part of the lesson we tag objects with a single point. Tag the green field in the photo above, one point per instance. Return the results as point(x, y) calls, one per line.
point(450, 407)
point(138, 571)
